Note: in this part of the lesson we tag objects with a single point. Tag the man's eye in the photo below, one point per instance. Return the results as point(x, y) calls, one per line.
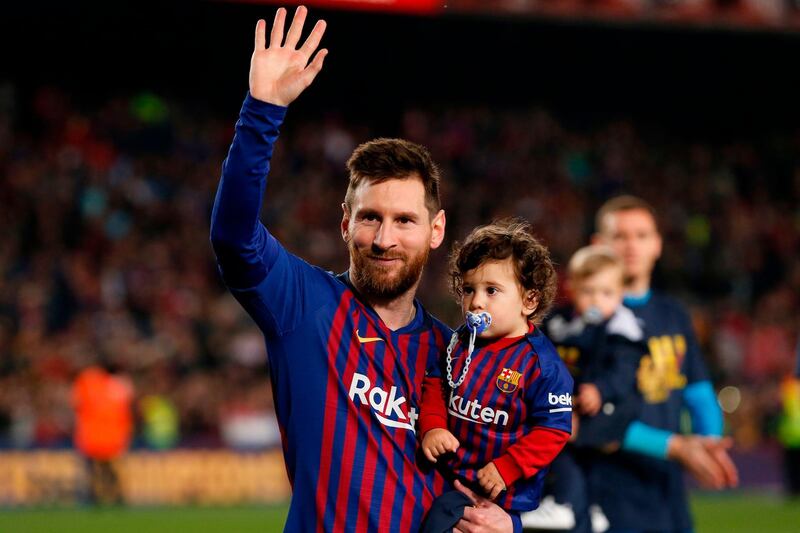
point(404, 220)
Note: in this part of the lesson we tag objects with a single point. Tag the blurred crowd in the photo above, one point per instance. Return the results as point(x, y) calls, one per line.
point(783, 14)
point(105, 257)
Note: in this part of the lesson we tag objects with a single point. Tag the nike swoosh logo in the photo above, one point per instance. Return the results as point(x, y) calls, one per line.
point(364, 340)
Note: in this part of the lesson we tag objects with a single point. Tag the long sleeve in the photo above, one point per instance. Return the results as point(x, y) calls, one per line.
point(531, 453)
point(621, 351)
point(433, 411)
point(700, 399)
point(646, 440)
point(245, 250)
point(617, 380)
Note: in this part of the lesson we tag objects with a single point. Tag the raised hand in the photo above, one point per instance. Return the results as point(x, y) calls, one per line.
point(280, 72)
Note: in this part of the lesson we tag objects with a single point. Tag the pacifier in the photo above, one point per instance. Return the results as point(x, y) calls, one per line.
point(593, 315)
point(477, 323)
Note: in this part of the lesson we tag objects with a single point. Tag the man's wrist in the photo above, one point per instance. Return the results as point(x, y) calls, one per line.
point(263, 106)
point(674, 445)
point(648, 440)
point(677, 447)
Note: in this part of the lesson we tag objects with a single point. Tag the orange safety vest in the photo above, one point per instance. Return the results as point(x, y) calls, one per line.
point(103, 418)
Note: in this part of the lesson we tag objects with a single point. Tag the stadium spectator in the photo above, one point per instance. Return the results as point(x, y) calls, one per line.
point(104, 427)
point(789, 428)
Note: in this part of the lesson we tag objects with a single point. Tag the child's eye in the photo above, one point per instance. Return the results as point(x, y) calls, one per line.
point(467, 290)
point(492, 290)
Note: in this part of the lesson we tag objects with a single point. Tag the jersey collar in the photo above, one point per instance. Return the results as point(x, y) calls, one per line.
point(416, 323)
point(495, 345)
point(637, 300)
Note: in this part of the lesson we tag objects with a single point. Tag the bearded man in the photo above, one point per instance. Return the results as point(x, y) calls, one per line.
point(347, 353)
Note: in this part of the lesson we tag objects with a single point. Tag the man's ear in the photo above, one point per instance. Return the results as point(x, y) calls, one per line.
point(660, 241)
point(345, 227)
point(437, 229)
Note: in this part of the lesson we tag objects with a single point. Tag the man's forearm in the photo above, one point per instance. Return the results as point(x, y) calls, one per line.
point(702, 403)
point(239, 239)
point(647, 440)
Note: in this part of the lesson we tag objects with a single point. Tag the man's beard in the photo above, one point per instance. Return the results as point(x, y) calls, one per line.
point(374, 280)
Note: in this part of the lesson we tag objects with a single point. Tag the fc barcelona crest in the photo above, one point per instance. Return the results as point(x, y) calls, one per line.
point(508, 380)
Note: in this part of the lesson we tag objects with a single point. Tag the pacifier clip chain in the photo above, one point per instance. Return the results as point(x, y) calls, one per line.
point(477, 323)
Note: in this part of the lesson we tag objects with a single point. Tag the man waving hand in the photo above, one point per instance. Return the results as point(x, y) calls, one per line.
point(347, 353)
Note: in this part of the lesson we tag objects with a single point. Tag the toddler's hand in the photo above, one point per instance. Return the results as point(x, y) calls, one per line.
point(576, 425)
point(437, 442)
point(589, 399)
point(491, 481)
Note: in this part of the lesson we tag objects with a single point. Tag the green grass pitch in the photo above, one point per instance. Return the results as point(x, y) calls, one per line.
point(728, 513)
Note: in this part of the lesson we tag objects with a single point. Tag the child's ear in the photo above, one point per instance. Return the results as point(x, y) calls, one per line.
point(530, 302)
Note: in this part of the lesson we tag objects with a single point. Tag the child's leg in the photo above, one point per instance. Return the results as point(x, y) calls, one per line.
point(569, 486)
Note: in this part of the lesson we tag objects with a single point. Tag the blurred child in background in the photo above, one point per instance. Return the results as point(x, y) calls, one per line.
point(601, 342)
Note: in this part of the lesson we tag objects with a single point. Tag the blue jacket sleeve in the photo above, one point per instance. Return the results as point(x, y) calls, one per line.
point(698, 397)
point(694, 364)
point(646, 440)
point(706, 420)
point(617, 379)
point(701, 401)
point(245, 250)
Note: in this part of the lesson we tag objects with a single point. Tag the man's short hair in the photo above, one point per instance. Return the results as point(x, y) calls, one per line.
point(509, 237)
point(384, 159)
point(590, 260)
point(625, 202)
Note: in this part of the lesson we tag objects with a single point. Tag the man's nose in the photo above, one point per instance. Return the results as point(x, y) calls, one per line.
point(385, 237)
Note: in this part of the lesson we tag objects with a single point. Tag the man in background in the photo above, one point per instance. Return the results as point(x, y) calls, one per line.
point(641, 487)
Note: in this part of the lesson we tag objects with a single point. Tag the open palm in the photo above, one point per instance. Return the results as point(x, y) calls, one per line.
point(279, 73)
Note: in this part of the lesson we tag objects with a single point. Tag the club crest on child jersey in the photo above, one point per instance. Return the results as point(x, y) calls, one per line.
point(508, 380)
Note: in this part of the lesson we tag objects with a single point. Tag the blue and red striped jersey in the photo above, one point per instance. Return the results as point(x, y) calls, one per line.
point(515, 389)
point(347, 389)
